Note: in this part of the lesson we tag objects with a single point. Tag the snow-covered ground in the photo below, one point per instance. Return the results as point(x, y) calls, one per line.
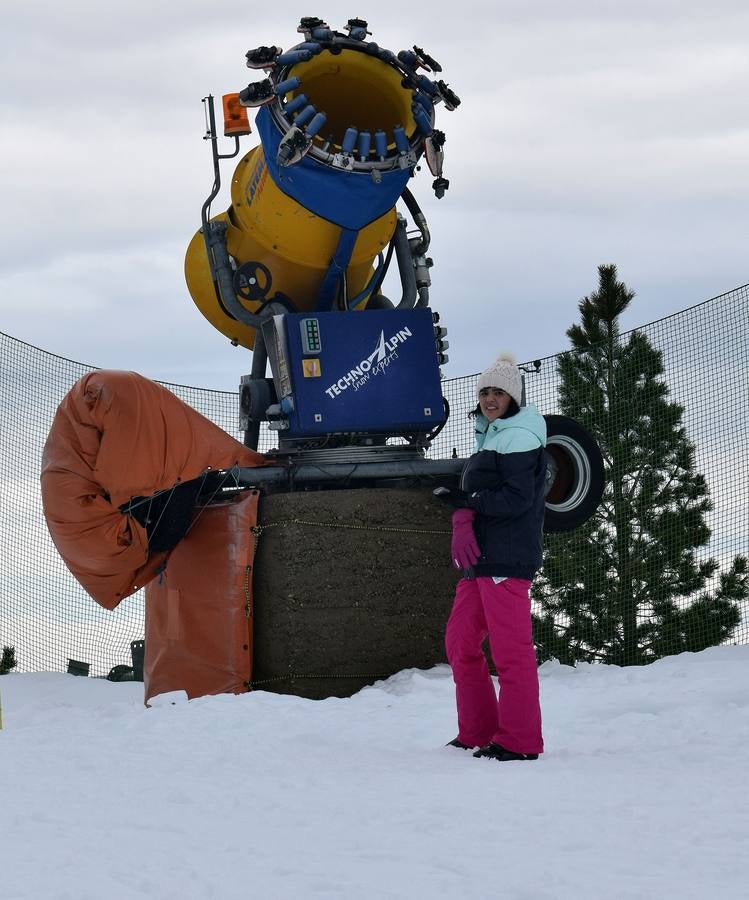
point(641, 793)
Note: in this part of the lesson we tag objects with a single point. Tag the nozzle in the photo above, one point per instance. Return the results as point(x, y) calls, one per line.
point(427, 61)
point(440, 185)
point(294, 145)
point(381, 144)
point(357, 29)
point(316, 124)
point(283, 87)
point(293, 106)
point(292, 57)
point(448, 96)
point(365, 142)
point(349, 140)
point(423, 122)
point(314, 29)
point(262, 57)
point(257, 94)
point(401, 140)
point(305, 116)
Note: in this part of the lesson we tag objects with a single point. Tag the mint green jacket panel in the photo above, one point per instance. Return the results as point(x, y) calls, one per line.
point(526, 430)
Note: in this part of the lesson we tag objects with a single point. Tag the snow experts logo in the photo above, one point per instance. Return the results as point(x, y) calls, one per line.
point(375, 364)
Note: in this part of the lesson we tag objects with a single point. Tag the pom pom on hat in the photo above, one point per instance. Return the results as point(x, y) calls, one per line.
point(503, 374)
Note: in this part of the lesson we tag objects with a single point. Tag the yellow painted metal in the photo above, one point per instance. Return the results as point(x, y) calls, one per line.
point(267, 226)
point(355, 89)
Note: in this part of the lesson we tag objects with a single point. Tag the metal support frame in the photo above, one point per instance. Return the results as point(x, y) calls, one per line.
point(308, 475)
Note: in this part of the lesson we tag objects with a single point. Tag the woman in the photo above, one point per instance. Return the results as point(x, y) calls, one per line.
point(497, 541)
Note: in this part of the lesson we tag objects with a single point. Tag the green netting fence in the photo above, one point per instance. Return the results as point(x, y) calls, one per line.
point(658, 569)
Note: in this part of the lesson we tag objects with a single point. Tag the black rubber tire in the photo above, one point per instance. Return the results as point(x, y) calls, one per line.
point(574, 474)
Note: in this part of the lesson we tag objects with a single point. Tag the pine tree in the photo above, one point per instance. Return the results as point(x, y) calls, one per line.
point(628, 587)
point(7, 660)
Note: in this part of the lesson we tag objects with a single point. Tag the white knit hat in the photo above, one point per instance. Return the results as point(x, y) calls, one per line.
point(503, 374)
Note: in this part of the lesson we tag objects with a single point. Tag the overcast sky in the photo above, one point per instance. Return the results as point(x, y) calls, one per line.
point(590, 132)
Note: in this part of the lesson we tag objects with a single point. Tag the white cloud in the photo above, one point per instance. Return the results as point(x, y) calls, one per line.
point(589, 132)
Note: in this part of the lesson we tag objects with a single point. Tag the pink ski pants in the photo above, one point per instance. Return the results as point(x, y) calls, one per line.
point(502, 611)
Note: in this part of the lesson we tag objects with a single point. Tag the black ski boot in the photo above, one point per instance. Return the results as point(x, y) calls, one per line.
point(456, 742)
point(497, 751)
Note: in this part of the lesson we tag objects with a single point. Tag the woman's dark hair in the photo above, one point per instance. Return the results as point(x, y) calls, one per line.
point(512, 409)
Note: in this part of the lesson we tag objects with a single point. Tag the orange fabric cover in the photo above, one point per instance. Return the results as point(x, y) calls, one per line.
point(117, 435)
point(199, 610)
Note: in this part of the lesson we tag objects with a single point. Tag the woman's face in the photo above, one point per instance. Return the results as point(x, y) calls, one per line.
point(493, 402)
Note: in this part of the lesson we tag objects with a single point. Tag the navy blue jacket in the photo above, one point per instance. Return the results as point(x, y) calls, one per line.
point(505, 480)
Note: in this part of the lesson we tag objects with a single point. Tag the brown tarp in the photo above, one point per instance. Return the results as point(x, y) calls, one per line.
point(115, 436)
point(199, 610)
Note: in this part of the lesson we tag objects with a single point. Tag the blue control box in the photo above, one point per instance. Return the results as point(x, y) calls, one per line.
point(370, 372)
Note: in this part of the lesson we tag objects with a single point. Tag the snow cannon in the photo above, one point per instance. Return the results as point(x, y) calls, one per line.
point(342, 124)
point(313, 227)
point(294, 271)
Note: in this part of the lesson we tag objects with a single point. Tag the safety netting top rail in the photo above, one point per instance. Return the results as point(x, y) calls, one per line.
point(659, 569)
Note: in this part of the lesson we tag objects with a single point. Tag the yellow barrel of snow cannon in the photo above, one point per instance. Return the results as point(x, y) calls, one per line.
point(342, 124)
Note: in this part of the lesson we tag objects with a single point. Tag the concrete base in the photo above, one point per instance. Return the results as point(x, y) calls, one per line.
point(338, 608)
